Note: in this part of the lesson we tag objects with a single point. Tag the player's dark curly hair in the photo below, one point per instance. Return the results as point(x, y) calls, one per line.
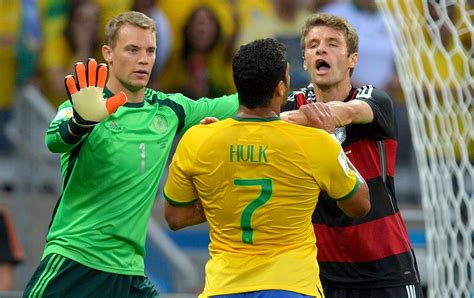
point(258, 68)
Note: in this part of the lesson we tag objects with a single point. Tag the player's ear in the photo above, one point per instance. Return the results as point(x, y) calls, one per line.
point(280, 89)
point(353, 60)
point(107, 53)
point(304, 64)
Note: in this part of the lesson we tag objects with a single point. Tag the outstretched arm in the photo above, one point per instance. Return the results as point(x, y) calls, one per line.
point(351, 112)
point(325, 115)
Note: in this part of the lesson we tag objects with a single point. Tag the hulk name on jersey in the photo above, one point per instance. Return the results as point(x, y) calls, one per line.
point(248, 153)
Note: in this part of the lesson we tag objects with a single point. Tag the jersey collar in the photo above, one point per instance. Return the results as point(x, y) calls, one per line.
point(108, 93)
point(242, 119)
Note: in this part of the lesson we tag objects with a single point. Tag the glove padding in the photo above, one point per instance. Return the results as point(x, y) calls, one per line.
point(85, 94)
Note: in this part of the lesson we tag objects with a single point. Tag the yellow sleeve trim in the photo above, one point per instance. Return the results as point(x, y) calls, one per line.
point(353, 191)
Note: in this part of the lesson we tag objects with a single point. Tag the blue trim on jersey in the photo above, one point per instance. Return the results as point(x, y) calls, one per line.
point(264, 294)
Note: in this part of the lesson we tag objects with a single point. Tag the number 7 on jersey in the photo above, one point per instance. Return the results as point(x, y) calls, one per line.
point(247, 213)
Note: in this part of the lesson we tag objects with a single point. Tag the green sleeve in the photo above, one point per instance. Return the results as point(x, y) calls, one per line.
point(58, 138)
point(196, 110)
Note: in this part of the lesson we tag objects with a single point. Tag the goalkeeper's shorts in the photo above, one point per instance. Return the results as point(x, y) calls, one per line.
point(58, 276)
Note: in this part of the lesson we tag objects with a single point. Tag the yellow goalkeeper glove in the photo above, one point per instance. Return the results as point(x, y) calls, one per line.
point(85, 93)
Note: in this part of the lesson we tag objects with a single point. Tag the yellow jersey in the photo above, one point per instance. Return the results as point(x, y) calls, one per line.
point(259, 181)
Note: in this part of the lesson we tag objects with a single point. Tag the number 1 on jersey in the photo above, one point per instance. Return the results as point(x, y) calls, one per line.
point(263, 197)
point(142, 157)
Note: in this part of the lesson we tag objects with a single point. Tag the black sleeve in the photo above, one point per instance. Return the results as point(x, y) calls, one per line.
point(383, 125)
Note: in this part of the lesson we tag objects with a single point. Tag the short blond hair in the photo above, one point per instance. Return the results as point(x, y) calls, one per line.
point(133, 18)
point(335, 22)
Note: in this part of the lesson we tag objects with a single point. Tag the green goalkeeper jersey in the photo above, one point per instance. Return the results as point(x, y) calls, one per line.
point(111, 177)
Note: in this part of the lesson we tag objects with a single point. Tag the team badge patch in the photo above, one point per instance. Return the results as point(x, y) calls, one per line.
point(340, 134)
point(160, 124)
point(343, 161)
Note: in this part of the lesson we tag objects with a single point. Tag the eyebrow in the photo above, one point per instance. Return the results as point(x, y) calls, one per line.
point(137, 47)
point(131, 46)
point(337, 39)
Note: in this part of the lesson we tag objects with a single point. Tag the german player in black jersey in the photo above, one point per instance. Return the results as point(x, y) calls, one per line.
point(370, 256)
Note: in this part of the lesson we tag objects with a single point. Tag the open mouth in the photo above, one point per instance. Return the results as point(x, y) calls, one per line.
point(322, 65)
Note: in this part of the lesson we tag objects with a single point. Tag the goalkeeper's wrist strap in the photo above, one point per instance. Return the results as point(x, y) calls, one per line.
point(77, 129)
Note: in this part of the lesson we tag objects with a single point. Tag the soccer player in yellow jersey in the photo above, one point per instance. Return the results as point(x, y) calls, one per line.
point(257, 199)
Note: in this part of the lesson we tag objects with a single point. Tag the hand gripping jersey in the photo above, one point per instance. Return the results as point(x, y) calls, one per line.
point(258, 199)
point(111, 177)
point(372, 251)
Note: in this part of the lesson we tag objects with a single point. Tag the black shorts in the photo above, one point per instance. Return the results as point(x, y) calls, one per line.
point(57, 276)
point(408, 291)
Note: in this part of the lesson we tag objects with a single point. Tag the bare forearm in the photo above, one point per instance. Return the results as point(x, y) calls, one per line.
point(181, 217)
point(193, 217)
point(341, 114)
point(352, 112)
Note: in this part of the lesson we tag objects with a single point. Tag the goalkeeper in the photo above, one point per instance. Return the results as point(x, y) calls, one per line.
point(114, 138)
point(370, 256)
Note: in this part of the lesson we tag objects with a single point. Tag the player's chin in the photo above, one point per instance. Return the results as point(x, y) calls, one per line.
point(323, 81)
point(139, 84)
point(134, 86)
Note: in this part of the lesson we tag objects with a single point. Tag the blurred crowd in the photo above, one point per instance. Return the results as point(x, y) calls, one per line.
point(41, 40)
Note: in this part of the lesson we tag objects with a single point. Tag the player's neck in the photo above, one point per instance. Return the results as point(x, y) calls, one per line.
point(259, 112)
point(336, 92)
point(132, 96)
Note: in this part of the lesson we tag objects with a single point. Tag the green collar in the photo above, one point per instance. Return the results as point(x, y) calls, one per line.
point(242, 119)
point(109, 93)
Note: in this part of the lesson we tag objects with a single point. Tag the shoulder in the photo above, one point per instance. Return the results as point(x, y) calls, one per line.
point(153, 96)
point(308, 136)
point(299, 97)
point(306, 93)
point(383, 123)
point(372, 95)
point(200, 134)
point(326, 145)
point(164, 99)
point(369, 91)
